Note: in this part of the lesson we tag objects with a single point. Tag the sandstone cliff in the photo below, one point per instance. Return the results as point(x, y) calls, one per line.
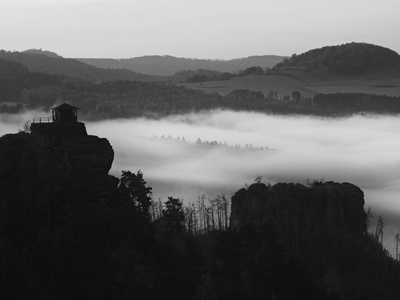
point(38, 169)
point(335, 206)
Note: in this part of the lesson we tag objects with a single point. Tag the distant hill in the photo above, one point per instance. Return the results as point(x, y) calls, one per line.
point(346, 59)
point(169, 65)
point(40, 51)
point(50, 63)
point(16, 78)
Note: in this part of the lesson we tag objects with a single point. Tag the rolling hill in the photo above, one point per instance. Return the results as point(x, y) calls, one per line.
point(346, 59)
point(348, 68)
point(41, 62)
point(169, 65)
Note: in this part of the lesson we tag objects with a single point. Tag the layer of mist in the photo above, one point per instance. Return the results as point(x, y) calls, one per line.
point(178, 159)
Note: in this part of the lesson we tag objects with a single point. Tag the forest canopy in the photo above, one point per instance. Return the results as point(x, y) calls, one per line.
point(346, 59)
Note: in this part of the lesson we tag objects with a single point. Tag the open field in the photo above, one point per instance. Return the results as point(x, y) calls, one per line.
point(307, 85)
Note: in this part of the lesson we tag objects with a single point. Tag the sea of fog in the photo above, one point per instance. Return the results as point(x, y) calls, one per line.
point(363, 150)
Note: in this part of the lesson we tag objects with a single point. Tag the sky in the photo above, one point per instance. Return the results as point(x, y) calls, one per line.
point(360, 150)
point(212, 29)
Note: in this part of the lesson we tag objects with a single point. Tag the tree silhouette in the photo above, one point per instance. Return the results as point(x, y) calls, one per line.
point(138, 192)
point(379, 230)
point(296, 95)
point(174, 219)
point(397, 240)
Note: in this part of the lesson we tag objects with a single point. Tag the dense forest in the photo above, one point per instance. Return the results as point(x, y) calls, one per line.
point(346, 59)
point(126, 99)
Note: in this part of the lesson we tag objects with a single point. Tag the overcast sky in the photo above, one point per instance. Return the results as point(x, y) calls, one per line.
point(215, 29)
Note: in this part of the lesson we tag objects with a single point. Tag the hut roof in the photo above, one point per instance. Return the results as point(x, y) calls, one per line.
point(64, 106)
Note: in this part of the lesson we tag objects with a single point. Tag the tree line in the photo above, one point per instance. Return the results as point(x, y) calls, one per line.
point(127, 99)
point(208, 144)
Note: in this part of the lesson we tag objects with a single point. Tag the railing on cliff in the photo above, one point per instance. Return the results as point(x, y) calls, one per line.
point(43, 120)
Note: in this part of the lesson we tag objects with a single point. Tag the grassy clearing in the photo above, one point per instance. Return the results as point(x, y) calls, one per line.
point(308, 84)
point(282, 84)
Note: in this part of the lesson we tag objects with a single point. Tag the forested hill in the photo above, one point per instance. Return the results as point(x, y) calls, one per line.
point(169, 65)
point(40, 51)
point(48, 63)
point(346, 59)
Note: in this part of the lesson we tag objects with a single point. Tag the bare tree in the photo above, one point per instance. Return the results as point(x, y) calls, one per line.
point(370, 216)
point(397, 240)
point(190, 219)
point(379, 230)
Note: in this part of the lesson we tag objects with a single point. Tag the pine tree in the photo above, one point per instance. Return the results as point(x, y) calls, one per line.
point(138, 192)
point(174, 219)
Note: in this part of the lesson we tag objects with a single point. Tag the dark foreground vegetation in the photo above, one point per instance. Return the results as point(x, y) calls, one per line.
point(68, 230)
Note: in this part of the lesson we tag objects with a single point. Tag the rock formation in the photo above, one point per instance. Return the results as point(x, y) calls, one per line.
point(59, 168)
point(338, 206)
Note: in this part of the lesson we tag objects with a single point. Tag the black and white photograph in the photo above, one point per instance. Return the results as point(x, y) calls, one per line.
point(205, 150)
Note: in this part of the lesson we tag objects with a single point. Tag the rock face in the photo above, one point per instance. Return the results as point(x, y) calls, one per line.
point(61, 168)
point(330, 205)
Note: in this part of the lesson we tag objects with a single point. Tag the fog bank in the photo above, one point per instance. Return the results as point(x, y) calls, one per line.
point(361, 150)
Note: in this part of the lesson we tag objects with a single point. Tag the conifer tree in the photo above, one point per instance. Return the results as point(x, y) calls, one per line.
point(138, 192)
point(174, 218)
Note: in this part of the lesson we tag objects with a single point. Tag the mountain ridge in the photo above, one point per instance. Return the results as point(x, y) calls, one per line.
point(168, 65)
point(41, 62)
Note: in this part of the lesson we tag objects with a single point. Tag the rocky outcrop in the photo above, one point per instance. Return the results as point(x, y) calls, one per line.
point(330, 205)
point(39, 169)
